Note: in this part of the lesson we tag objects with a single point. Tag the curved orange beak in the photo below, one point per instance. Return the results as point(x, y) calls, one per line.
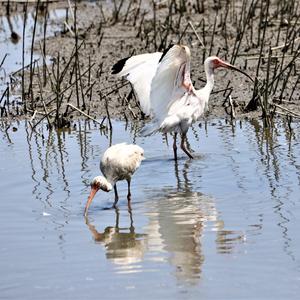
point(229, 66)
point(93, 192)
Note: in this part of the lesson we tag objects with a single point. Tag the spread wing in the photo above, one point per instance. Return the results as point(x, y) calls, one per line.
point(139, 71)
point(171, 81)
point(169, 88)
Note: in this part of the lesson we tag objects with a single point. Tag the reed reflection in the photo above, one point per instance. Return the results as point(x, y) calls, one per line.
point(123, 245)
point(274, 146)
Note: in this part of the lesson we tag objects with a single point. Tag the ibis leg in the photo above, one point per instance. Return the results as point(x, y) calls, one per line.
point(183, 146)
point(175, 146)
point(129, 195)
point(116, 195)
point(129, 192)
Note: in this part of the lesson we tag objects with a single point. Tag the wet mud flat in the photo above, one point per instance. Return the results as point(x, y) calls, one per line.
point(259, 37)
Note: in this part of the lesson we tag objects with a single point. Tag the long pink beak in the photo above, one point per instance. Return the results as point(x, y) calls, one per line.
point(93, 192)
point(229, 66)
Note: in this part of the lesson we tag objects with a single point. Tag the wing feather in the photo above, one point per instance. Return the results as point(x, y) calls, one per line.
point(139, 71)
point(170, 81)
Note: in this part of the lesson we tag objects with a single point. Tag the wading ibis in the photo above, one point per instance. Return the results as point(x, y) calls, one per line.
point(165, 91)
point(119, 162)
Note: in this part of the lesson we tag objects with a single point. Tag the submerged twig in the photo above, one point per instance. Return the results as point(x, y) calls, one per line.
point(83, 113)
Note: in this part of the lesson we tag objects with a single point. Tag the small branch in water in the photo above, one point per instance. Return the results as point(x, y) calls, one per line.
point(30, 89)
point(193, 28)
point(41, 96)
point(2, 62)
point(45, 63)
point(33, 116)
point(83, 113)
point(69, 28)
point(108, 115)
point(287, 110)
point(232, 107)
point(129, 107)
point(44, 116)
point(41, 113)
point(285, 44)
point(71, 10)
point(23, 58)
point(25, 67)
point(266, 57)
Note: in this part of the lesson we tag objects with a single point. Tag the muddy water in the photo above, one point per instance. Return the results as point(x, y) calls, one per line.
point(221, 226)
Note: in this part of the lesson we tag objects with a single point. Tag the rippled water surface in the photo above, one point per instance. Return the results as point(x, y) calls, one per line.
point(222, 226)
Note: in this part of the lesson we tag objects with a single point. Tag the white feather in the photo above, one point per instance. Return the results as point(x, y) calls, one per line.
point(182, 113)
point(174, 102)
point(120, 161)
point(165, 89)
point(139, 71)
point(170, 102)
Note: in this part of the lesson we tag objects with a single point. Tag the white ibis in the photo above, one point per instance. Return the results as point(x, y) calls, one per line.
point(119, 162)
point(165, 91)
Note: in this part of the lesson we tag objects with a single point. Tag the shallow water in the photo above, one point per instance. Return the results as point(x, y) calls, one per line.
point(221, 226)
point(11, 48)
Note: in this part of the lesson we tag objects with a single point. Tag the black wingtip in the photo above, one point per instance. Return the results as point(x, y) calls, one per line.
point(117, 67)
point(165, 52)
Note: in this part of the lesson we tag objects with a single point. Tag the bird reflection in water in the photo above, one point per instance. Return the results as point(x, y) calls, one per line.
point(178, 219)
point(123, 246)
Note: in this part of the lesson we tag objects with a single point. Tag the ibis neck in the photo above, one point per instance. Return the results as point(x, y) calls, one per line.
point(111, 180)
point(107, 183)
point(209, 80)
